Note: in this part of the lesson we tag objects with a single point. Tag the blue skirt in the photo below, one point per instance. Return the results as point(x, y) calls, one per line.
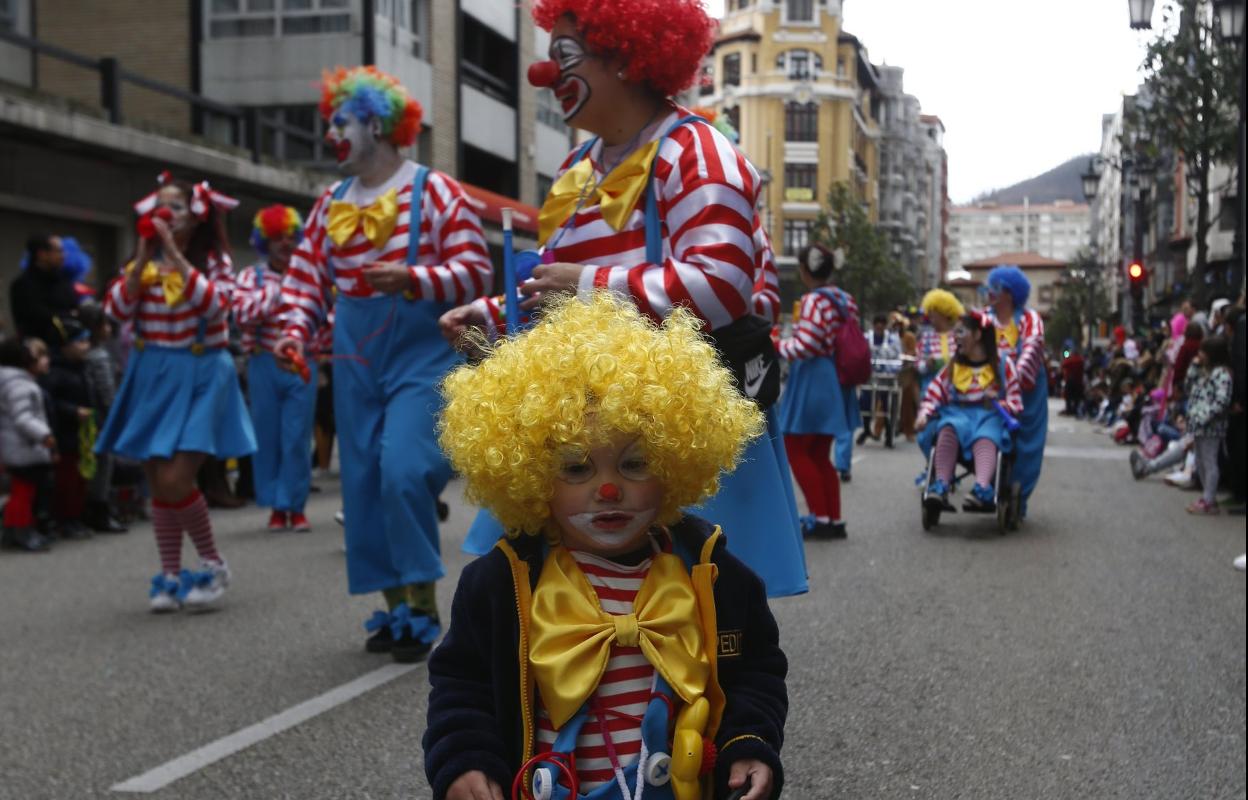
point(971, 423)
point(173, 401)
point(815, 402)
point(755, 507)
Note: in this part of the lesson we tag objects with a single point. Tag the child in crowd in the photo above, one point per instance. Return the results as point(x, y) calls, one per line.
point(72, 413)
point(958, 415)
point(102, 374)
point(603, 593)
point(26, 442)
point(1208, 391)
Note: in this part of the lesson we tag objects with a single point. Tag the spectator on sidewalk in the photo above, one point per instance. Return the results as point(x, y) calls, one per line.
point(26, 443)
point(44, 293)
point(1072, 381)
point(1208, 391)
point(102, 377)
point(73, 414)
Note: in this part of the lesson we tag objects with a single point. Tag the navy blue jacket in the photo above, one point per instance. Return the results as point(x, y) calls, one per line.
point(475, 720)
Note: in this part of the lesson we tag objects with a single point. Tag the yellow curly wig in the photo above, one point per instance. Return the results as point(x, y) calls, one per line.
point(591, 369)
point(943, 302)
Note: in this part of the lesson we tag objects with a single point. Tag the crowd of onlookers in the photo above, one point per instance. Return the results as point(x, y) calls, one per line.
point(59, 372)
point(1176, 396)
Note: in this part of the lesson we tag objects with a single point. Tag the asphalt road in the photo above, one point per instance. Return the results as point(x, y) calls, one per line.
point(1097, 653)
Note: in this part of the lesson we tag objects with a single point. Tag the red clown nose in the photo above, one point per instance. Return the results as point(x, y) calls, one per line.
point(544, 74)
point(609, 492)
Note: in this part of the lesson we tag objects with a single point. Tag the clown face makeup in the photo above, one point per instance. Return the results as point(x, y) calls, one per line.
point(280, 250)
point(571, 89)
point(171, 198)
point(353, 140)
point(605, 500)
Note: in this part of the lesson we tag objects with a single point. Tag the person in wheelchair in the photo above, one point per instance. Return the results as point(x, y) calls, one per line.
point(964, 412)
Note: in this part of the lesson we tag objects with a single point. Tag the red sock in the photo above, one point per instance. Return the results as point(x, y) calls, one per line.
point(20, 512)
point(168, 530)
point(985, 453)
point(831, 478)
point(946, 456)
point(193, 511)
point(800, 448)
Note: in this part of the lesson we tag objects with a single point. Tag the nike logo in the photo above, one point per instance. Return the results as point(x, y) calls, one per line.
point(755, 370)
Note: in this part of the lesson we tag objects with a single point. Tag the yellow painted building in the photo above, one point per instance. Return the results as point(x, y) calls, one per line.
point(802, 94)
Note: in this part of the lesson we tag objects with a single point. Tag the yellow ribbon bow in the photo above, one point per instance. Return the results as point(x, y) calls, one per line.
point(570, 635)
point(1009, 336)
point(616, 194)
point(966, 377)
point(378, 219)
point(171, 282)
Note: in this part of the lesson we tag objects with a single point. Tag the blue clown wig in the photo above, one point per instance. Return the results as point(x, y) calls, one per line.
point(1009, 278)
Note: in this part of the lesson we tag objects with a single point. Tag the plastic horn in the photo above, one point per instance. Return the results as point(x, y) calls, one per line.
point(509, 275)
point(1011, 424)
point(298, 364)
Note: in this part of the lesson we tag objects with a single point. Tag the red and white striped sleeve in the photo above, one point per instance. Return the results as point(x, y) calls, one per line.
point(118, 304)
point(255, 299)
point(306, 283)
point(462, 270)
point(220, 270)
point(1030, 348)
point(1012, 399)
point(938, 392)
point(810, 331)
point(204, 297)
point(766, 278)
point(706, 192)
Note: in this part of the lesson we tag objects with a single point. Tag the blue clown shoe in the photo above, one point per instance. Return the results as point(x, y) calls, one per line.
point(413, 634)
point(164, 596)
point(982, 498)
point(382, 640)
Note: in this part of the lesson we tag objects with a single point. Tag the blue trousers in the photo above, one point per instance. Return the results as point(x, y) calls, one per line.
point(282, 408)
point(390, 358)
point(1030, 438)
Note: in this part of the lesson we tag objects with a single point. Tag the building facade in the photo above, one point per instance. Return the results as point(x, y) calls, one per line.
point(1055, 230)
point(936, 163)
point(802, 93)
point(255, 131)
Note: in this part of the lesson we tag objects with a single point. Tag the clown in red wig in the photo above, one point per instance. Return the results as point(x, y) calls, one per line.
point(282, 403)
point(658, 206)
point(392, 246)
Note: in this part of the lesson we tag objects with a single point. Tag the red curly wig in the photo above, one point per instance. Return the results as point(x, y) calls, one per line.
point(662, 42)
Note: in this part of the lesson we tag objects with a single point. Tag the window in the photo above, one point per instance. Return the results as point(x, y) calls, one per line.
point(1227, 212)
point(734, 119)
point(409, 24)
point(488, 61)
point(706, 80)
point(801, 122)
point(544, 182)
point(800, 10)
point(732, 69)
point(230, 19)
point(800, 176)
point(8, 15)
point(294, 133)
point(796, 235)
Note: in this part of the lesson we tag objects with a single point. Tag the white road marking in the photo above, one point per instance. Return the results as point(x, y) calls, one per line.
point(160, 777)
point(1089, 453)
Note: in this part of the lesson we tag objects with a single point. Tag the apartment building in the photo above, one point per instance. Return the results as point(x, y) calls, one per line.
point(1054, 230)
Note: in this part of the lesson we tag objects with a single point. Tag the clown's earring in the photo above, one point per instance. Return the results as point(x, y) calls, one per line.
point(620, 74)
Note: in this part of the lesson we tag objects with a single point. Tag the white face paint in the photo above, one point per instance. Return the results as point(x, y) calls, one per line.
point(572, 91)
point(580, 508)
point(608, 529)
point(354, 141)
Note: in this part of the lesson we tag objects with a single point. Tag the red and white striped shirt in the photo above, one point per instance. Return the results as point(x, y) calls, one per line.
point(200, 316)
point(1028, 350)
point(452, 264)
point(942, 391)
point(625, 686)
point(706, 195)
point(257, 306)
point(932, 356)
point(818, 321)
point(766, 278)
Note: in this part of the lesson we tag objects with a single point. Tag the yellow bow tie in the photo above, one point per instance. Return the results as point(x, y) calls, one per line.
point(570, 636)
point(617, 194)
point(171, 282)
point(966, 377)
point(378, 219)
point(1009, 335)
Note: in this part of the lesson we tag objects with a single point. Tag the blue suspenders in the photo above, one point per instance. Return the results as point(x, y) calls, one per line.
point(413, 214)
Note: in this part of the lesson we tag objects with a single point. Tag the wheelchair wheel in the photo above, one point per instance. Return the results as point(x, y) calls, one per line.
point(931, 517)
point(1003, 514)
point(1016, 506)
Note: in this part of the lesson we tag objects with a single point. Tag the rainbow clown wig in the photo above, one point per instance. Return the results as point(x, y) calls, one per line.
point(369, 93)
point(1009, 278)
point(588, 371)
point(943, 302)
point(661, 42)
point(273, 222)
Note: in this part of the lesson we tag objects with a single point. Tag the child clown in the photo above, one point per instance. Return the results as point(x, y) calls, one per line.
point(605, 615)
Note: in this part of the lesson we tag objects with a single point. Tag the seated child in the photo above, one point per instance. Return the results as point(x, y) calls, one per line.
point(27, 444)
point(586, 436)
point(957, 413)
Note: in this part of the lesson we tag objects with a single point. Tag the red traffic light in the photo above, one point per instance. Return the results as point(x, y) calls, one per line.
point(1136, 272)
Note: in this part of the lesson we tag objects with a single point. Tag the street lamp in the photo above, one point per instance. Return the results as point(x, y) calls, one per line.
point(1230, 14)
point(1141, 14)
point(1091, 181)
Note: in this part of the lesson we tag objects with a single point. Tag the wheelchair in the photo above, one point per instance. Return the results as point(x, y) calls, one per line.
point(1007, 493)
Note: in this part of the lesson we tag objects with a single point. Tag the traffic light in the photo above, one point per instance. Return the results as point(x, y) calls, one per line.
point(1137, 276)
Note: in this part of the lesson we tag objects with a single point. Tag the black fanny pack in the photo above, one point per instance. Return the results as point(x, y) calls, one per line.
point(745, 348)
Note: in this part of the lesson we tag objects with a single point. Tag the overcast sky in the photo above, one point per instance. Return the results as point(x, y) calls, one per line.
point(1020, 84)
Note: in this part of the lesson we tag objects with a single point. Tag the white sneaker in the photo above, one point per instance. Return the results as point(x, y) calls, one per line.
point(340, 517)
point(1239, 562)
point(1179, 479)
point(207, 585)
point(163, 597)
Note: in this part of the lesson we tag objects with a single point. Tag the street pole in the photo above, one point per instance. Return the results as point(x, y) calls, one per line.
point(1239, 168)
